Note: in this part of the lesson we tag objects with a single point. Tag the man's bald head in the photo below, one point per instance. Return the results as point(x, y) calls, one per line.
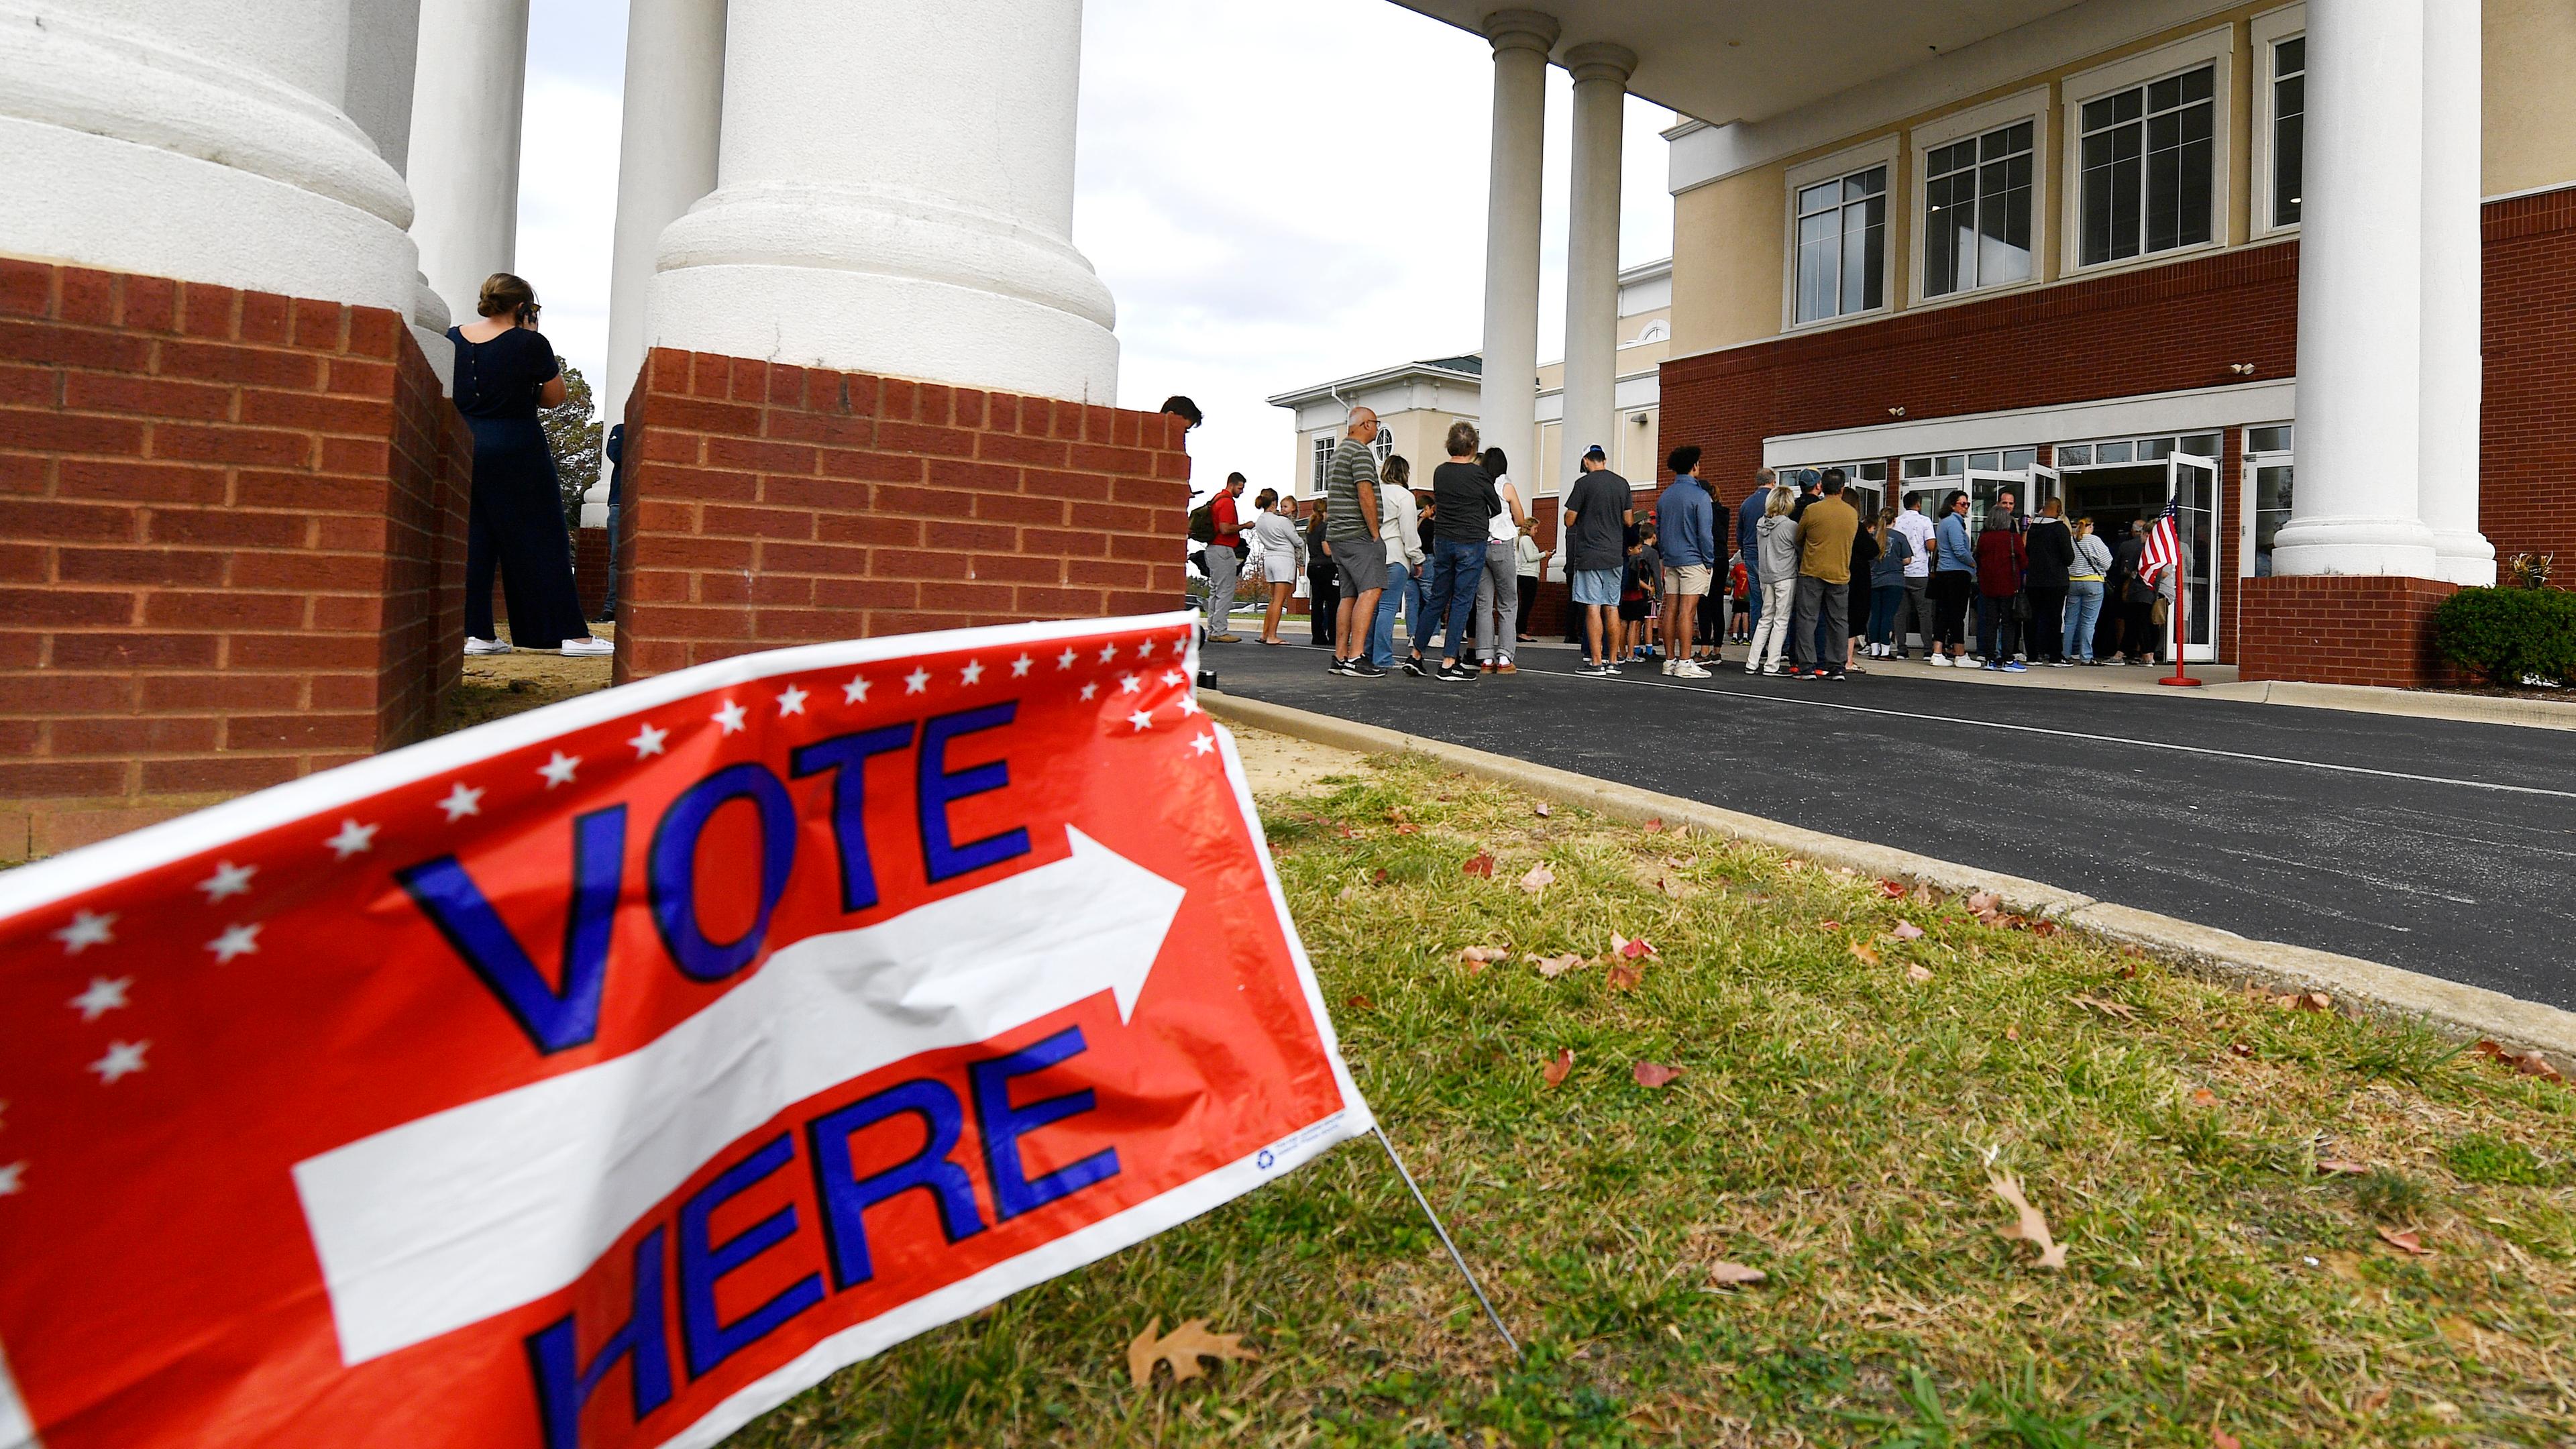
point(1363, 425)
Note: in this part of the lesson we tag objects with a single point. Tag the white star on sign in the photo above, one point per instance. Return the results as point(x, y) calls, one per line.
point(461, 802)
point(917, 682)
point(1064, 660)
point(353, 839)
point(228, 880)
point(791, 702)
point(730, 717)
point(102, 997)
point(12, 1179)
point(558, 771)
point(1186, 705)
point(235, 941)
point(1108, 652)
point(1020, 667)
point(1141, 720)
point(123, 1059)
point(1203, 745)
point(973, 671)
point(1174, 676)
point(1128, 683)
point(648, 740)
point(856, 691)
point(1091, 690)
point(86, 930)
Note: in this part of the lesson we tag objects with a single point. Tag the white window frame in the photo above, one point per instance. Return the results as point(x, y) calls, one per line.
point(2218, 47)
point(2031, 105)
point(1884, 151)
point(1320, 448)
point(2269, 29)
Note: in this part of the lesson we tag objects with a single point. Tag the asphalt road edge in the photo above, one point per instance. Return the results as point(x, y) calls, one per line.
point(2366, 986)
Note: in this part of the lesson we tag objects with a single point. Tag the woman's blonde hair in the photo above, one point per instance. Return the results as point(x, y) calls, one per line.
point(2083, 526)
point(505, 295)
point(1782, 500)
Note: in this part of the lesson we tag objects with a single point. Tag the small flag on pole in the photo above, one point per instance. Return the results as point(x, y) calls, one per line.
point(2164, 549)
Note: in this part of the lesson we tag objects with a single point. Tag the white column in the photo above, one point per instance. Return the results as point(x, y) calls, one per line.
point(2361, 227)
point(2454, 272)
point(1509, 394)
point(1592, 249)
point(384, 56)
point(895, 195)
point(466, 103)
point(204, 142)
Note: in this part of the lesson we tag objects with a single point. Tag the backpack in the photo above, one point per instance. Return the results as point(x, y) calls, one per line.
point(1203, 522)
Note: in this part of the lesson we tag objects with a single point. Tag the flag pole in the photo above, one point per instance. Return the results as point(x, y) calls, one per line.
point(1454, 1255)
point(2182, 591)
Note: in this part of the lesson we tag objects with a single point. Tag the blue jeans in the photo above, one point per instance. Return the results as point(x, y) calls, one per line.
point(1884, 601)
point(1381, 650)
point(2083, 612)
point(1456, 565)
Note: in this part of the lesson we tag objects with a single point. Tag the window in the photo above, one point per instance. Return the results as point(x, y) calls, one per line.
point(1951, 465)
point(1655, 331)
point(1842, 245)
point(1383, 447)
point(1323, 459)
point(1976, 208)
point(2124, 451)
point(2269, 473)
point(2148, 155)
point(2289, 114)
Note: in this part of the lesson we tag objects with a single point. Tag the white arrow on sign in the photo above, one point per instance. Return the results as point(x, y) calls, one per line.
point(442, 1222)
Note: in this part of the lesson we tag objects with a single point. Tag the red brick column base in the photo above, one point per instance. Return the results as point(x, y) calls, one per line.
point(231, 546)
point(2336, 629)
point(769, 505)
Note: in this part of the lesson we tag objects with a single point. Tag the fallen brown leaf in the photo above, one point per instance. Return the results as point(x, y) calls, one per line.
point(1863, 954)
point(1477, 958)
point(1918, 973)
point(2028, 1226)
point(1182, 1348)
point(1829, 925)
point(1559, 1065)
point(1538, 879)
point(2487, 1048)
point(1985, 903)
point(1907, 931)
point(1653, 1074)
point(2012, 1033)
point(1542, 810)
point(2221, 1439)
point(1400, 830)
point(2242, 1049)
point(1552, 967)
point(1793, 864)
point(2533, 1064)
point(2045, 929)
point(2405, 1242)
point(1633, 950)
point(2342, 1167)
point(1625, 978)
point(1379, 878)
point(1655, 826)
point(2316, 1001)
point(1479, 865)
point(2120, 1009)
point(1732, 1275)
point(1893, 890)
point(2203, 1097)
point(1361, 1003)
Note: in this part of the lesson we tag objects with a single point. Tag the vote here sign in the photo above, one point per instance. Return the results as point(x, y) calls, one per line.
point(605, 1075)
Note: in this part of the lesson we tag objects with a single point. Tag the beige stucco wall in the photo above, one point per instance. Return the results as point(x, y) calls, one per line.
point(2530, 94)
point(1727, 239)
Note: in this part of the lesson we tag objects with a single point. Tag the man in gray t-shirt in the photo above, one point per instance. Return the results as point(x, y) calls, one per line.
point(1351, 536)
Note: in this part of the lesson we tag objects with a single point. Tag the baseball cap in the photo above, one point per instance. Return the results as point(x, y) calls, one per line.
point(1597, 451)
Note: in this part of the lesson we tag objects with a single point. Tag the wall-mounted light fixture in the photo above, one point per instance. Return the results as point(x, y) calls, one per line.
point(1896, 412)
point(2241, 369)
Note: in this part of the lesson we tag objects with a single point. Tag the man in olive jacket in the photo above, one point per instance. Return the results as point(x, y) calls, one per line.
point(1825, 532)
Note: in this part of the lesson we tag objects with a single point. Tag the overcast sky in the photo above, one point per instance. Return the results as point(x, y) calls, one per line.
point(1216, 141)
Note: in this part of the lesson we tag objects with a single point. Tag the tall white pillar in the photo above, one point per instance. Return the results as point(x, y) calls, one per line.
point(666, 160)
point(204, 142)
point(466, 102)
point(895, 195)
point(1509, 394)
point(2454, 271)
point(2361, 249)
point(1600, 74)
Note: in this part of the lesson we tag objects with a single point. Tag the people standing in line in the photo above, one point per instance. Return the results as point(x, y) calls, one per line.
point(1323, 588)
point(1748, 520)
point(1825, 529)
point(2084, 579)
point(1887, 583)
point(1398, 517)
point(1775, 542)
point(1640, 581)
point(1687, 522)
point(1866, 547)
point(1498, 596)
point(1224, 560)
point(505, 371)
point(1464, 504)
point(1593, 520)
point(616, 506)
point(1954, 581)
point(2001, 561)
point(1274, 534)
point(1530, 565)
point(1351, 490)
point(2136, 595)
point(1914, 613)
point(2052, 557)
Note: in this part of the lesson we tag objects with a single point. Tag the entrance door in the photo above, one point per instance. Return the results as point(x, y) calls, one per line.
point(2045, 484)
point(1984, 488)
point(2192, 486)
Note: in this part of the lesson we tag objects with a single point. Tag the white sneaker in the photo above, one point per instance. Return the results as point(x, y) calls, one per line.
point(1670, 667)
point(474, 646)
point(588, 647)
point(1939, 661)
point(1688, 670)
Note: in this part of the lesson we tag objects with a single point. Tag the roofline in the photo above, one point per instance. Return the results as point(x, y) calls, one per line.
point(1382, 375)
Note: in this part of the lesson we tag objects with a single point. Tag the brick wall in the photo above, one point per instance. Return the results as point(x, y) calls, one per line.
point(231, 545)
point(2527, 458)
point(771, 505)
point(589, 572)
point(2329, 629)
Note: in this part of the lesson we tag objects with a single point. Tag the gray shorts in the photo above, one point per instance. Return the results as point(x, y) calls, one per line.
point(1362, 562)
point(1596, 586)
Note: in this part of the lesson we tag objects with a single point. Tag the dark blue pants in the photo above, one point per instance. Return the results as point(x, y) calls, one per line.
point(1456, 565)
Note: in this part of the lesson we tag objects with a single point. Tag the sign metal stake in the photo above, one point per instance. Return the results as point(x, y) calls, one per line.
point(1454, 1255)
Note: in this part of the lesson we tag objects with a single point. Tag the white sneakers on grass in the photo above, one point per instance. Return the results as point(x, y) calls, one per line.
point(474, 646)
point(585, 647)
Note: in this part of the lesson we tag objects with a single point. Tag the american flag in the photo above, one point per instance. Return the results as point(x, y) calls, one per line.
point(2164, 550)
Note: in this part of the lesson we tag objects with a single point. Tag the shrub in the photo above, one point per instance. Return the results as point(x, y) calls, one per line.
point(2507, 635)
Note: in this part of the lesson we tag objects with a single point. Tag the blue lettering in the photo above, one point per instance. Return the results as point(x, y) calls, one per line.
point(1003, 1125)
point(940, 854)
point(672, 867)
point(554, 1355)
point(849, 754)
point(706, 1339)
point(554, 1020)
point(846, 1198)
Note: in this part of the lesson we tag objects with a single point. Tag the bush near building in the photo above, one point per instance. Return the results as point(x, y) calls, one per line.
point(2510, 635)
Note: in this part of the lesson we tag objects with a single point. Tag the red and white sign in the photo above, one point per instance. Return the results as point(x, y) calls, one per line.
point(606, 1075)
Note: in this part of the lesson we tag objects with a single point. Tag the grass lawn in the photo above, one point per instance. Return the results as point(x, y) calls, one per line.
point(1835, 1125)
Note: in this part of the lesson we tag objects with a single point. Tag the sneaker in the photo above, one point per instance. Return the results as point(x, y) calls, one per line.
point(1770, 671)
point(1688, 670)
point(588, 647)
point(2060, 664)
point(1489, 667)
point(1338, 666)
point(1938, 661)
point(1361, 669)
point(1507, 667)
point(1669, 667)
point(1413, 666)
point(1225, 639)
point(2015, 666)
point(474, 646)
point(1455, 672)
point(1750, 667)
point(1837, 677)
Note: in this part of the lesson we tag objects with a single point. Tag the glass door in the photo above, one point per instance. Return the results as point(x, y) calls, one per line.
point(2192, 485)
point(2045, 484)
point(1987, 486)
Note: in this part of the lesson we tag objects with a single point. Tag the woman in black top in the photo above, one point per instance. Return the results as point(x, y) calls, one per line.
point(1323, 586)
point(505, 371)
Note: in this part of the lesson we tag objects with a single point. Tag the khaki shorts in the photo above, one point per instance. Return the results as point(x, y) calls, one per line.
point(1688, 578)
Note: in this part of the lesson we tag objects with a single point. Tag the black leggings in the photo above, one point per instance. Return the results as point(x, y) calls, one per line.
point(1950, 593)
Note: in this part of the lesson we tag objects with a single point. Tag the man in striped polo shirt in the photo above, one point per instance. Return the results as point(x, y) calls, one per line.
point(1350, 535)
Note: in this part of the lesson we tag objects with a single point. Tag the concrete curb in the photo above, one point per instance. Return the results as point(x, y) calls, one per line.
point(2368, 986)
point(2417, 704)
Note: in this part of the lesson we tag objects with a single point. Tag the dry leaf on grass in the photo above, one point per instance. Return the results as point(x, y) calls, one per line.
point(1400, 830)
point(2221, 1439)
point(1625, 978)
point(1479, 865)
point(2342, 1167)
point(2242, 1049)
point(2012, 1033)
point(1182, 1348)
point(1654, 1074)
point(2120, 1009)
point(2044, 929)
point(1559, 1065)
point(1918, 973)
point(1379, 878)
point(2203, 1097)
point(1477, 958)
point(1361, 1003)
point(1907, 931)
point(2533, 1064)
point(1655, 826)
point(1829, 925)
point(1893, 890)
point(1733, 1275)
point(1985, 904)
point(1793, 864)
point(1538, 879)
point(1552, 967)
point(1635, 950)
point(1863, 954)
point(1542, 810)
point(2029, 1226)
point(2405, 1242)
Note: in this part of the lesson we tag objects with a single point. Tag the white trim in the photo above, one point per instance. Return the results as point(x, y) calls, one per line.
point(2216, 46)
point(2032, 105)
point(2199, 410)
point(2543, 190)
point(1884, 151)
point(2269, 29)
